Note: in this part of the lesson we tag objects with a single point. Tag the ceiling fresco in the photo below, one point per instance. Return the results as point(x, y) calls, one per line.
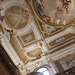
point(56, 12)
point(53, 15)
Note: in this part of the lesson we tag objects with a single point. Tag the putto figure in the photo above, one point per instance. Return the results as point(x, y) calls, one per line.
point(64, 4)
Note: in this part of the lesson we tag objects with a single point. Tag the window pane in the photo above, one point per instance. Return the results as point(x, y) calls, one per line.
point(41, 69)
point(46, 73)
point(44, 70)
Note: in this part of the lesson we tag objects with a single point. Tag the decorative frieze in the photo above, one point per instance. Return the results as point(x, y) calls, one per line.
point(62, 39)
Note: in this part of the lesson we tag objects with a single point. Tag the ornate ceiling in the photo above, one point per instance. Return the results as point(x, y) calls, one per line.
point(53, 16)
point(36, 30)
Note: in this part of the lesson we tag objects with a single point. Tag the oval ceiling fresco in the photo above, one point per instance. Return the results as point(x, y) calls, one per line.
point(55, 12)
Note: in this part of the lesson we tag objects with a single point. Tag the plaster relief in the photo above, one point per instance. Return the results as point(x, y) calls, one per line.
point(16, 17)
point(28, 38)
point(34, 53)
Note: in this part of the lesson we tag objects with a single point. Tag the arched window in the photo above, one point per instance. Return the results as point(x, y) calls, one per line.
point(44, 71)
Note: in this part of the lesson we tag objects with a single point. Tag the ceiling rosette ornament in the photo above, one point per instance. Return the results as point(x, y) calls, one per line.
point(55, 13)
